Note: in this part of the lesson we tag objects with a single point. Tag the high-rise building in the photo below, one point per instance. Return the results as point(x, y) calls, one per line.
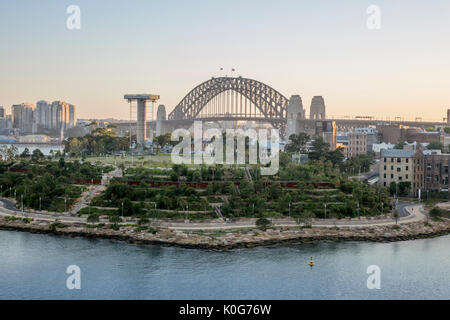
point(22, 117)
point(2, 112)
point(42, 115)
point(62, 115)
point(72, 116)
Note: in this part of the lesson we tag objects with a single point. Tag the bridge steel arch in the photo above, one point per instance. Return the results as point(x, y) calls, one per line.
point(271, 103)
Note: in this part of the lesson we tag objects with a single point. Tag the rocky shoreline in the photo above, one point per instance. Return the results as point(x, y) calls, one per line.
point(235, 239)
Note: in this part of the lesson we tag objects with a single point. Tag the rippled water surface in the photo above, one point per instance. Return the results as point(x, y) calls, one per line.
point(34, 267)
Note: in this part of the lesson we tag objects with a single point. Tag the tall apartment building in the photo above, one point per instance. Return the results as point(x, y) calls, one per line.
point(2, 112)
point(22, 117)
point(54, 116)
point(399, 166)
point(72, 116)
point(42, 115)
point(436, 169)
point(361, 141)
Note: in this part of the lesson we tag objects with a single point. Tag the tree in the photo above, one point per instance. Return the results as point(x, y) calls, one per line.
point(336, 156)
point(37, 155)
point(435, 145)
point(297, 143)
point(61, 162)
point(306, 218)
point(404, 188)
point(25, 153)
point(163, 140)
point(320, 149)
point(400, 145)
point(263, 223)
point(93, 217)
point(393, 188)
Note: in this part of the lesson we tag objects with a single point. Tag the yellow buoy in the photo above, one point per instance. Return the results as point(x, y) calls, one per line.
point(311, 263)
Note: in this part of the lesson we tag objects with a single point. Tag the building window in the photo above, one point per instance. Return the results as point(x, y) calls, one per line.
point(407, 160)
point(406, 177)
point(399, 160)
point(398, 169)
point(392, 167)
point(406, 168)
point(385, 159)
point(384, 167)
point(385, 175)
point(392, 176)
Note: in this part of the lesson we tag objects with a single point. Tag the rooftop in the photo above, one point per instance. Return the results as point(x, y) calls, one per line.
point(397, 153)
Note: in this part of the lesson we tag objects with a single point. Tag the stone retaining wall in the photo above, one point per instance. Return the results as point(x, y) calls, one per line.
point(242, 238)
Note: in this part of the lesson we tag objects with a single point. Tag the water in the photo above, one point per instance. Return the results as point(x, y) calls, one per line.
point(33, 267)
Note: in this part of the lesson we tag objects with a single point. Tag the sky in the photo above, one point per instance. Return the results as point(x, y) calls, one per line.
point(168, 47)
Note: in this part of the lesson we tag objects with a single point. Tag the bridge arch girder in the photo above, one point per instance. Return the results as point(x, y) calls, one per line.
point(270, 102)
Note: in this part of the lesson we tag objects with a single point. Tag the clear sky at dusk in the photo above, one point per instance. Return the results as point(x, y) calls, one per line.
point(168, 47)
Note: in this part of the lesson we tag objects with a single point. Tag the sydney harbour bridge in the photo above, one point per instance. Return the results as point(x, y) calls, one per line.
point(241, 99)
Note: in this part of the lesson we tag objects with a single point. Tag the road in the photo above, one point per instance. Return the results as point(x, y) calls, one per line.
point(408, 212)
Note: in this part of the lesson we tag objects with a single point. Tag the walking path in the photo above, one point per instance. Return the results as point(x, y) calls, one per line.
point(408, 212)
point(94, 190)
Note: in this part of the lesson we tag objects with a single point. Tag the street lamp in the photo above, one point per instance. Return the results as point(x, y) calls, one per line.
point(357, 209)
point(122, 210)
point(253, 210)
point(325, 210)
point(40, 203)
point(289, 209)
point(65, 204)
point(21, 196)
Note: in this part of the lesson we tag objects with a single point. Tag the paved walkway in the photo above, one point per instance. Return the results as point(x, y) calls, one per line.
point(409, 212)
point(93, 191)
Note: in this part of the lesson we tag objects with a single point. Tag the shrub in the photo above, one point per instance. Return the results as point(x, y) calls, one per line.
point(263, 223)
point(115, 227)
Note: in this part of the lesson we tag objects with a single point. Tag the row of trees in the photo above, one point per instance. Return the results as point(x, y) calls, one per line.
point(99, 141)
point(319, 148)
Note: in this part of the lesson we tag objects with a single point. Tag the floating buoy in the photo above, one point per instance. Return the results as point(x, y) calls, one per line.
point(311, 262)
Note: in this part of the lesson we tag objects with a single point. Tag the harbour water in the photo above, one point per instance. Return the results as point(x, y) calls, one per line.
point(34, 266)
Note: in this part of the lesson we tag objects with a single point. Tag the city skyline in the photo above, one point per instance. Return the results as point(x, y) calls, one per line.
point(296, 48)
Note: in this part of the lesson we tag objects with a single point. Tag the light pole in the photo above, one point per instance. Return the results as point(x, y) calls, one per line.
point(289, 210)
point(65, 204)
point(122, 210)
point(253, 210)
point(21, 196)
point(357, 209)
point(40, 203)
point(325, 210)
